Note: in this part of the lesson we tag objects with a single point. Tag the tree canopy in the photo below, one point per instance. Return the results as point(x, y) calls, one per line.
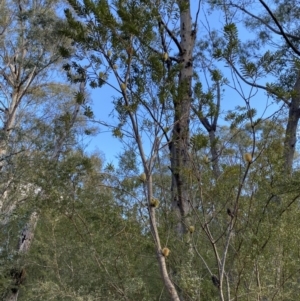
point(201, 202)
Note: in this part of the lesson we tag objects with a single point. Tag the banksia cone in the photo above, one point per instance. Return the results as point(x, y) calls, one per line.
point(142, 177)
point(248, 157)
point(165, 251)
point(191, 229)
point(154, 203)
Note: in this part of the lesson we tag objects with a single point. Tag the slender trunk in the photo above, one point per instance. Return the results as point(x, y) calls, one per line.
point(180, 134)
point(180, 141)
point(214, 153)
point(211, 128)
point(160, 257)
point(9, 124)
point(291, 128)
point(9, 117)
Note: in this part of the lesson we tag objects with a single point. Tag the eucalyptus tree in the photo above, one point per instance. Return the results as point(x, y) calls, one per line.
point(28, 51)
point(29, 43)
point(51, 138)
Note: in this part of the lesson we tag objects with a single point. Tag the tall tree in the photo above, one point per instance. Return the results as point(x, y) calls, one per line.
point(180, 139)
point(29, 51)
point(33, 185)
point(129, 44)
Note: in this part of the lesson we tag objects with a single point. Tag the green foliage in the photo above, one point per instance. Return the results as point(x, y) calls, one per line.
point(199, 141)
point(85, 245)
point(88, 112)
point(240, 115)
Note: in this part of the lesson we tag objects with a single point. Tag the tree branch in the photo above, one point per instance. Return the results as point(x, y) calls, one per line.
point(256, 85)
point(264, 22)
point(171, 35)
point(280, 28)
